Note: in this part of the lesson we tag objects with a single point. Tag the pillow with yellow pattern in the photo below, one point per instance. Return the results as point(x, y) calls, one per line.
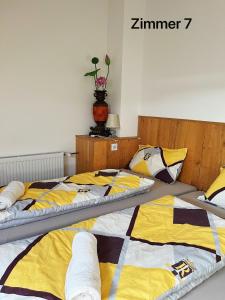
point(216, 192)
point(161, 163)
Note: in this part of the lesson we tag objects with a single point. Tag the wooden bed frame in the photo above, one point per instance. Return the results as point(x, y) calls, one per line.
point(205, 142)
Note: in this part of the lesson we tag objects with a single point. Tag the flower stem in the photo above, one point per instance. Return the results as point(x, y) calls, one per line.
point(95, 77)
point(107, 76)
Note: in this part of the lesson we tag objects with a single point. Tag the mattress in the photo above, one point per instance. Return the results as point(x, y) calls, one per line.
point(65, 218)
point(158, 250)
point(48, 198)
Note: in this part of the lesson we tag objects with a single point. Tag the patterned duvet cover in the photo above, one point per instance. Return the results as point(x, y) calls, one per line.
point(158, 250)
point(47, 198)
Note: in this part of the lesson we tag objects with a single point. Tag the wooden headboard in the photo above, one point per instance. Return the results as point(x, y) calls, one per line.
point(205, 142)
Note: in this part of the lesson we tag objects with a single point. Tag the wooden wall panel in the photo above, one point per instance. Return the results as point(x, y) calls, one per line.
point(213, 152)
point(157, 132)
point(205, 142)
point(189, 135)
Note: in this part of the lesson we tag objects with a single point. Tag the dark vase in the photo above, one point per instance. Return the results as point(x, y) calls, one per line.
point(100, 114)
point(100, 108)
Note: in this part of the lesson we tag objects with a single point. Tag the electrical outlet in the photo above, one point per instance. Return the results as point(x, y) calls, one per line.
point(114, 147)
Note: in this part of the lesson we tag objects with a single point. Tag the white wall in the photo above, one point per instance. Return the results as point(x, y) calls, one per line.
point(115, 51)
point(184, 70)
point(126, 48)
point(131, 92)
point(45, 48)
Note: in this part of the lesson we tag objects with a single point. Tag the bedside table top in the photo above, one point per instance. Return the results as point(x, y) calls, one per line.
point(106, 138)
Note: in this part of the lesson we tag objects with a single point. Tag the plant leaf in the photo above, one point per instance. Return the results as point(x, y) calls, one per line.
point(92, 73)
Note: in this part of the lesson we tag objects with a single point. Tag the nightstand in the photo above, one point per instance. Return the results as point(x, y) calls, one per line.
point(95, 153)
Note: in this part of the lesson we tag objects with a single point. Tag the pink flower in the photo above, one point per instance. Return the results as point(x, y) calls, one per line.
point(101, 81)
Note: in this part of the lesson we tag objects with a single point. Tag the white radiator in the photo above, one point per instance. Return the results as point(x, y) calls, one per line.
point(31, 167)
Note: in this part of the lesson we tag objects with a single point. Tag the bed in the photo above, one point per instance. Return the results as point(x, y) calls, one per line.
point(127, 189)
point(158, 250)
point(47, 198)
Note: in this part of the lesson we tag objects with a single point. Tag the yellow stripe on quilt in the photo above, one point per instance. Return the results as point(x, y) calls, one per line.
point(60, 197)
point(164, 201)
point(107, 271)
point(57, 197)
point(85, 225)
point(34, 193)
point(122, 184)
point(90, 178)
point(40, 205)
point(221, 234)
point(128, 181)
point(44, 267)
point(155, 224)
point(143, 283)
point(116, 189)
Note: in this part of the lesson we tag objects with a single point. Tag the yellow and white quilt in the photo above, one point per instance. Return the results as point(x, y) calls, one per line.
point(159, 250)
point(46, 198)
